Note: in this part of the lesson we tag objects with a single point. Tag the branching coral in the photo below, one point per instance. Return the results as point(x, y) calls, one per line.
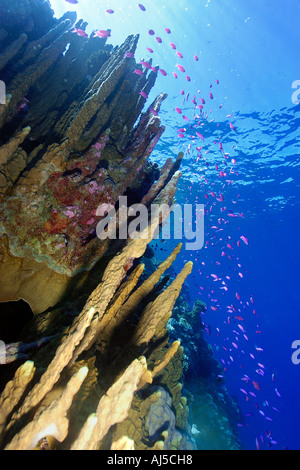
point(50, 417)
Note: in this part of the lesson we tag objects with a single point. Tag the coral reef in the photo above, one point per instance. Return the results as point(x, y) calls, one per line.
point(52, 395)
point(213, 413)
point(104, 363)
point(69, 145)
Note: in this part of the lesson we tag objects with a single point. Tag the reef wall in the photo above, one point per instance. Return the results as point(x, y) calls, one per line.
point(69, 144)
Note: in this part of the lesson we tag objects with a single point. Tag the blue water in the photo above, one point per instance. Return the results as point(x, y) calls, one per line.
point(252, 48)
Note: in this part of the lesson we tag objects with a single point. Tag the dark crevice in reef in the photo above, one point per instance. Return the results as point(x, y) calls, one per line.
point(14, 317)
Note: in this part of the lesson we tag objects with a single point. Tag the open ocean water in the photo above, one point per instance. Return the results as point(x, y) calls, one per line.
point(233, 109)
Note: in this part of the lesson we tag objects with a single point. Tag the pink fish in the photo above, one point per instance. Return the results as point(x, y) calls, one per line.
point(188, 78)
point(200, 135)
point(232, 126)
point(180, 67)
point(151, 32)
point(196, 58)
point(172, 45)
point(256, 385)
point(163, 72)
point(101, 33)
point(211, 96)
point(144, 95)
point(149, 50)
point(145, 64)
point(257, 444)
point(141, 7)
point(129, 54)
point(175, 75)
point(178, 110)
point(237, 317)
point(179, 54)
point(138, 72)
point(158, 39)
point(217, 82)
point(245, 240)
point(154, 112)
point(182, 92)
point(80, 32)
point(110, 12)
point(167, 30)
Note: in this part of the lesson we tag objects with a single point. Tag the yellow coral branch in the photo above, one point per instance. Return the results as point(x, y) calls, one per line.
point(124, 443)
point(61, 359)
point(7, 150)
point(51, 421)
point(159, 308)
point(115, 404)
point(14, 390)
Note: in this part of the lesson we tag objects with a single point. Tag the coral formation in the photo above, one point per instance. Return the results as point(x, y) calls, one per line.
point(52, 395)
point(68, 147)
point(105, 362)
